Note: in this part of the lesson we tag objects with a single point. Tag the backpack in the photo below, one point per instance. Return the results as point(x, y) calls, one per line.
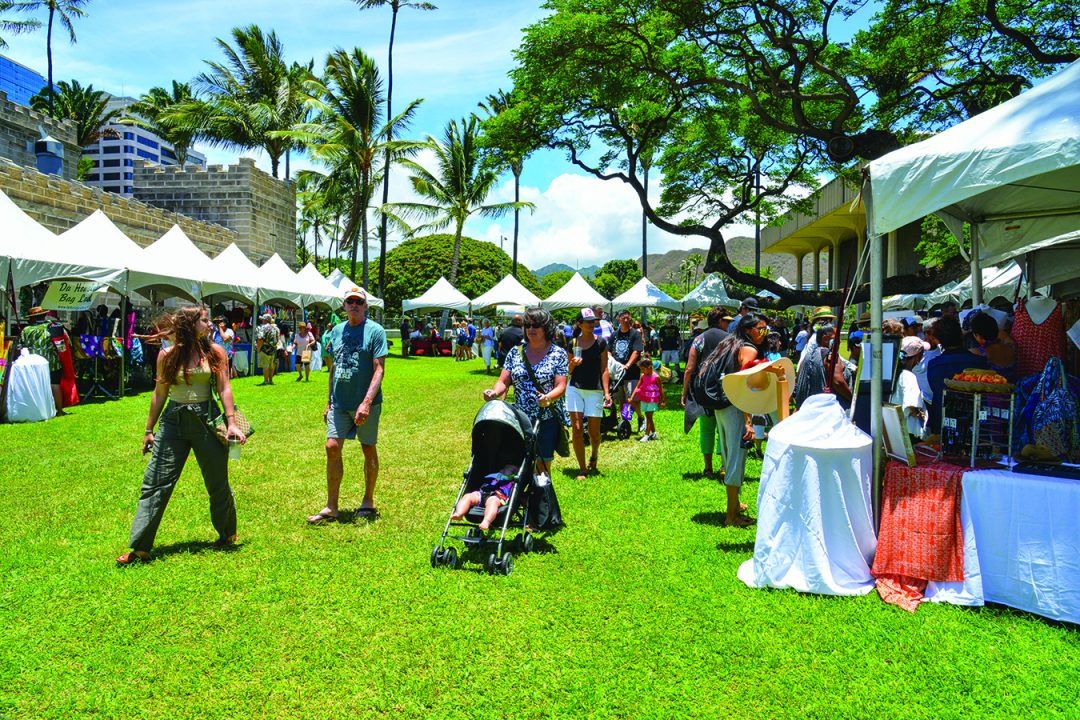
point(708, 383)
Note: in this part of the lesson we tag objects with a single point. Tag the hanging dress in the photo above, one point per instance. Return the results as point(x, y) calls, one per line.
point(1036, 343)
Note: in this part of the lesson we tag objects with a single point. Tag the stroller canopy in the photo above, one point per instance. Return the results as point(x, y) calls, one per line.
point(502, 434)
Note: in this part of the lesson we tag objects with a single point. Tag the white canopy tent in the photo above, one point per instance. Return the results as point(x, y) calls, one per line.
point(238, 273)
point(645, 294)
point(279, 284)
point(21, 237)
point(318, 288)
point(340, 280)
point(95, 250)
point(576, 293)
point(710, 292)
point(508, 291)
point(440, 296)
point(175, 253)
point(1011, 173)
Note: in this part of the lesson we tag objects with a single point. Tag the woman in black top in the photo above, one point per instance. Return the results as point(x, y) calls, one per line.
point(587, 393)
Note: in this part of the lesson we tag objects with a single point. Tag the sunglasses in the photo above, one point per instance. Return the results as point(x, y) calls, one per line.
point(534, 326)
point(355, 301)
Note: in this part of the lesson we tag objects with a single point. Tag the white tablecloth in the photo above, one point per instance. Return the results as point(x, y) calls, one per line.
point(815, 529)
point(1026, 541)
point(29, 393)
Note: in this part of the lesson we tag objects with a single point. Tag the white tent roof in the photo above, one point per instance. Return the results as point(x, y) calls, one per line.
point(709, 293)
point(508, 291)
point(173, 263)
point(233, 265)
point(645, 294)
point(94, 250)
point(340, 280)
point(319, 289)
point(576, 293)
point(1011, 171)
point(997, 282)
point(279, 284)
point(442, 296)
point(20, 237)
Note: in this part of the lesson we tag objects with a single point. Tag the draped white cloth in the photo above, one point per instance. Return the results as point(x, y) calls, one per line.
point(29, 394)
point(815, 530)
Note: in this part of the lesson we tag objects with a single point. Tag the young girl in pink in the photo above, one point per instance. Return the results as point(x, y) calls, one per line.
point(650, 392)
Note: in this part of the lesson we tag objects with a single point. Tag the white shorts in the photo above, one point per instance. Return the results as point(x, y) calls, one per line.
point(669, 357)
point(588, 402)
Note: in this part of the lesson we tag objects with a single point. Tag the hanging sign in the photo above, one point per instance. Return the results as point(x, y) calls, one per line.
point(69, 295)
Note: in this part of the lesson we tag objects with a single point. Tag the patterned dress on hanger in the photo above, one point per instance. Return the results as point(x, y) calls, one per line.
point(1036, 344)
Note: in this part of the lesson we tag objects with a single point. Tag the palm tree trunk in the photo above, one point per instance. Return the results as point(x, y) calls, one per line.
point(48, 52)
point(350, 234)
point(453, 268)
point(386, 156)
point(517, 214)
point(363, 241)
point(316, 228)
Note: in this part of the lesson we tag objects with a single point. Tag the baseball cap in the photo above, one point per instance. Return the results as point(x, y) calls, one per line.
point(356, 292)
point(587, 315)
point(912, 346)
point(750, 303)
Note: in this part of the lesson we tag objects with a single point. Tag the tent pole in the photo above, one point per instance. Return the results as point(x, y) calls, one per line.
point(876, 281)
point(976, 269)
point(251, 340)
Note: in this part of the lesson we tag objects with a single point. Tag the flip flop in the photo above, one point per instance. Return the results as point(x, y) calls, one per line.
point(133, 557)
point(323, 517)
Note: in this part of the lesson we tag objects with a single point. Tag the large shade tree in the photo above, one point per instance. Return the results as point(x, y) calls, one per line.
point(724, 90)
point(395, 7)
point(349, 135)
point(456, 189)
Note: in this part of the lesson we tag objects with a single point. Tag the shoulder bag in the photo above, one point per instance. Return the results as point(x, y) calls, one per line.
point(562, 442)
point(218, 425)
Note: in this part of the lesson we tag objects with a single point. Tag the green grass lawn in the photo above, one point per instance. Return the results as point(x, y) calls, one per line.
point(632, 611)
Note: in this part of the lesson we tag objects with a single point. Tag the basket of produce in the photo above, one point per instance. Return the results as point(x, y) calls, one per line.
point(976, 380)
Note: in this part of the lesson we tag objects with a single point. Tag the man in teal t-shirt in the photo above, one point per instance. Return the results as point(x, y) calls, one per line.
point(358, 347)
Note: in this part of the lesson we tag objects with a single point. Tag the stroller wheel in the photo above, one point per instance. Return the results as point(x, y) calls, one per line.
point(492, 564)
point(506, 565)
point(528, 543)
point(624, 429)
point(437, 555)
point(450, 558)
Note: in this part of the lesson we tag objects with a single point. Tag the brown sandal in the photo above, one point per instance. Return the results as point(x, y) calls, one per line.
point(132, 557)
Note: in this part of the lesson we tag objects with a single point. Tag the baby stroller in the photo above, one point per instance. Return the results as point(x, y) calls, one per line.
point(501, 435)
point(614, 420)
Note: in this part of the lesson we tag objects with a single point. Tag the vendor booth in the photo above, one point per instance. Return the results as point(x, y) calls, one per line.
point(576, 293)
point(710, 292)
point(440, 296)
point(645, 294)
point(507, 291)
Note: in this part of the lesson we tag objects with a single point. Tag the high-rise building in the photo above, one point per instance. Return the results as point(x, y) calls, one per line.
point(121, 144)
point(19, 82)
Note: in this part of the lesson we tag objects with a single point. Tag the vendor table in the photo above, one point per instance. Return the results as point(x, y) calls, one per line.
point(1027, 533)
point(428, 347)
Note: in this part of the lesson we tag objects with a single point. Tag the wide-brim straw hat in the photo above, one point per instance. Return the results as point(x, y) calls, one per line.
point(823, 312)
point(36, 311)
point(754, 391)
point(864, 320)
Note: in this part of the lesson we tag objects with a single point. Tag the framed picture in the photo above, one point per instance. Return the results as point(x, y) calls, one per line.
point(890, 362)
point(897, 440)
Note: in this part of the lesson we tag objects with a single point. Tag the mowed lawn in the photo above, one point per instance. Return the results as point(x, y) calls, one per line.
point(632, 611)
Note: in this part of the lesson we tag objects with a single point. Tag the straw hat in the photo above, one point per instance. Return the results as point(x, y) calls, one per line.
point(823, 312)
point(36, 311)
point(864, 320)
point(753, 390)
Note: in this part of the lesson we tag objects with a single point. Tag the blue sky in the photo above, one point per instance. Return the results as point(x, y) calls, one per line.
point(452, 58)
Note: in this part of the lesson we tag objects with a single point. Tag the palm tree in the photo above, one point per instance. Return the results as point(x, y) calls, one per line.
point(316, 205)
point(64, 11)
point(395, 6)
point(153, 111)
point(14, 27)
point(84, 106)
point(496, 105)
point(248, 98)
point(457, 188)
point(348, 136)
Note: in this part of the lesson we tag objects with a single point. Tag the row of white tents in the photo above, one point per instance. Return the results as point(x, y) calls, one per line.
point(576, 293)
point(98, 252)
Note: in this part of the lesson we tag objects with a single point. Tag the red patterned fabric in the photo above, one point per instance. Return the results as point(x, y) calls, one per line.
point(921, 538)
point(1036, 344)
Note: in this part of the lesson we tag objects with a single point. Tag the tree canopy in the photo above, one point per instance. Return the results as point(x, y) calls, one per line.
point(719, 92)
point(615, 277)
point(414, 265)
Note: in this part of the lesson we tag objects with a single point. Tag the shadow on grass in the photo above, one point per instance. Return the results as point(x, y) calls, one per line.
point(736, 547)
point(700, 475)
point(483, 372)
point(349, 517)
point(715, 519)
point(192, 547)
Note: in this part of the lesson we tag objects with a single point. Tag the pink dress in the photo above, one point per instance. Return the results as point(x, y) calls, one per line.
point(1036, 344)
point(649, 388)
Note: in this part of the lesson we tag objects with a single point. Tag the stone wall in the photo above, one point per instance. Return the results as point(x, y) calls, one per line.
point(59, 204)
point(260, 209)
point(20, 125)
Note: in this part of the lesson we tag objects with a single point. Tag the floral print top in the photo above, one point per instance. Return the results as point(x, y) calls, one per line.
point(553, 364)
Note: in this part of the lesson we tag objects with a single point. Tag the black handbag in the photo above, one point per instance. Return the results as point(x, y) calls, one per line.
point(544, 511)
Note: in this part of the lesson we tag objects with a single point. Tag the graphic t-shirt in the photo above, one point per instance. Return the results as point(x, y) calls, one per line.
point(622, 345)
point(669, 337)
point(355, 350)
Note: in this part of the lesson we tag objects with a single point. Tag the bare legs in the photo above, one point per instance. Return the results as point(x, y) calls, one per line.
point(335, 470)
point(471, 500)
point(577, 427)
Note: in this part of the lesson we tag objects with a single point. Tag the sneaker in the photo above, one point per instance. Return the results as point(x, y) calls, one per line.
point(653, 436)
point(646, 438)
point(640, 424)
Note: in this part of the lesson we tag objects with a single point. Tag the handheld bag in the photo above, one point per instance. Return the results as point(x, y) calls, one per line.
point(220, 427)
point(1054, 418)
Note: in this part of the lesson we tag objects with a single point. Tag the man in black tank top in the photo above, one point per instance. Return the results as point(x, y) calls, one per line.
point(701, 348)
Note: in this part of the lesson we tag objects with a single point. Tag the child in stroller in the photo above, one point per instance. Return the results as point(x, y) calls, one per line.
point(492, 495)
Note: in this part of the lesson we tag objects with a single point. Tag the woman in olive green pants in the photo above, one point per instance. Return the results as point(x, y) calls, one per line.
point(185, 372)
